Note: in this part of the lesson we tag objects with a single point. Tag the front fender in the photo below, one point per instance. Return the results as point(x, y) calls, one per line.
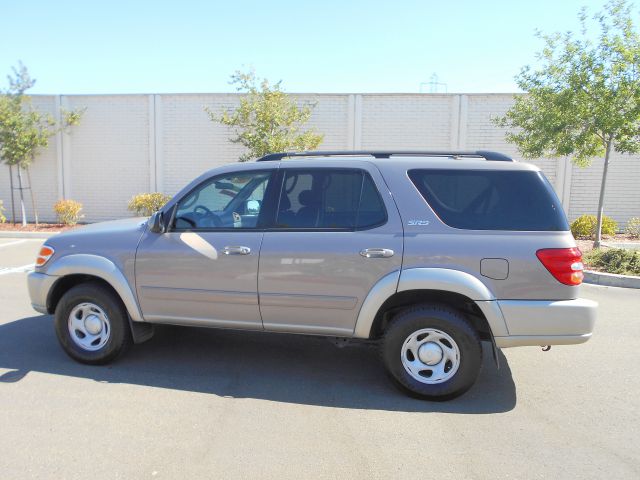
point(430, 279)
point(101, 267)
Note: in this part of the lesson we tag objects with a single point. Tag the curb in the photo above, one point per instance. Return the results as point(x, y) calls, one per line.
point(32, 235)
point(611, 279)
point(623, 245)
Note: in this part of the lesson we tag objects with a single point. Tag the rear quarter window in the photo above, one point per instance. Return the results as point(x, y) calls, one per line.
point(491, 199)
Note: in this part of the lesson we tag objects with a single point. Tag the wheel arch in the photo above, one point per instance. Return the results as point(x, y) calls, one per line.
point(408, 298)
point(74, 269)
point(454, 288)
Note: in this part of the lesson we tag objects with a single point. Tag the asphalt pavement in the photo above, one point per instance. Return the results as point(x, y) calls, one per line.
point(199, 403)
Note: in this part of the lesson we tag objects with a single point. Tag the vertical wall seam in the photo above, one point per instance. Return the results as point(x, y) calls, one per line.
point(463, 120)
point(559, 183)
point(357, 126)
point(566, 189)
point(66, 158)
point(153, 178)
point(59, 149)
point(158, 141)
point(351, 121)
point(454, 141)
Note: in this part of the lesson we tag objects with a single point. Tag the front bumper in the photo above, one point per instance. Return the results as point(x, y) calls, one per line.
point(541, 322)
point(39, 286)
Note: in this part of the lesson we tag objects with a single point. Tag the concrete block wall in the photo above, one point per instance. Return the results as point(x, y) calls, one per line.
point(108, 154)
point(128, 144)
point(622, 194)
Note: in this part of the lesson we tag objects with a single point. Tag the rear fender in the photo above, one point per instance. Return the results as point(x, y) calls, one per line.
point(430, 279)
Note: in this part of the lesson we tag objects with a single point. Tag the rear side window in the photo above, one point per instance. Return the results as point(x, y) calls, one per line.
point(491, 199)
point(329, 199)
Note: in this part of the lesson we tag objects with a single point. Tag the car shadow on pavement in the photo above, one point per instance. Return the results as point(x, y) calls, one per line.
point(277, 367)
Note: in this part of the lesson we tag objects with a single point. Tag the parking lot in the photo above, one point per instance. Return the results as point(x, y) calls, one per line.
point(198, 403)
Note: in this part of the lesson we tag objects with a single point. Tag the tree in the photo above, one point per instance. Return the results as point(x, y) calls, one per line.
point(24, 131)
point(583, 100)
point(267, 120)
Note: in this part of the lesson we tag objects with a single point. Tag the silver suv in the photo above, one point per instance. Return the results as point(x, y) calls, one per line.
point(427, 253)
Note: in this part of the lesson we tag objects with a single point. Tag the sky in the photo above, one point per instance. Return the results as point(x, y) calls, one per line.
point(329, 46)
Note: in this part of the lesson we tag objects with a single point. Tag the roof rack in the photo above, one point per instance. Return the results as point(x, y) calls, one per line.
point(486, 154)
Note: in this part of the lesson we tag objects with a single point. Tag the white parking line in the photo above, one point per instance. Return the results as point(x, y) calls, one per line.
point(22, 269)
point(17, 242)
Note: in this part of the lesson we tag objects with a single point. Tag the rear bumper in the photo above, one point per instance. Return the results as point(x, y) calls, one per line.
point(537, 322)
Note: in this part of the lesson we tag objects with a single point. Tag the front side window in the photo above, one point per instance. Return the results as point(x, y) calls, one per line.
point(229, 201)
point(329, 199)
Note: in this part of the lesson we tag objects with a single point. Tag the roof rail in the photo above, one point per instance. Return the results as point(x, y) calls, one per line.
point(486, 154)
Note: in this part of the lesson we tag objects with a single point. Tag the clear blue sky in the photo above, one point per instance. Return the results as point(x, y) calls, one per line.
point(80, 47)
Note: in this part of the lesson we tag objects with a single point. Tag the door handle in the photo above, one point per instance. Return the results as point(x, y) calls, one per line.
point(377, 253)
point(236, 250)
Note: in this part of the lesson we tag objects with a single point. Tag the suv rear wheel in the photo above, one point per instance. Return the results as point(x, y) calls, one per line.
point(91, 324)
point(432, 352)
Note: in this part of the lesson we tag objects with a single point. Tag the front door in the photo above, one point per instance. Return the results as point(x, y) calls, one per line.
point(203, 271)
point(336, 233)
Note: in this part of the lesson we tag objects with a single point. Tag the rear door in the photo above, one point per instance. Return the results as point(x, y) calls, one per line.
point(336, 233)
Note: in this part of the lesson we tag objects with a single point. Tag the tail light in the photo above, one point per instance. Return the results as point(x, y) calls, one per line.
point(46, 252)
point(565, 264)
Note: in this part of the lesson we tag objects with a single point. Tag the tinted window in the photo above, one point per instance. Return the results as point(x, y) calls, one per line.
point(329, 199)
point(226, 201)
point(491, 199)
point(371, 210)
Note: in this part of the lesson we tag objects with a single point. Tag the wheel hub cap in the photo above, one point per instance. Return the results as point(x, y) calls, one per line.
point(430, 353)
point(89, 326)
point(430, 356)
point(93, 324)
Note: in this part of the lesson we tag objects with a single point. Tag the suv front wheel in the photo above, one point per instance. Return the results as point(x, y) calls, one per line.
point(92, 324)
point(432, 352)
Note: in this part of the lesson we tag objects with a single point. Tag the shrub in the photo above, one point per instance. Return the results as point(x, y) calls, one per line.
point(68, 211)
point(614, 260)
point(144, 204)
point(585, 226)
point(2, 217)
point(633, 227)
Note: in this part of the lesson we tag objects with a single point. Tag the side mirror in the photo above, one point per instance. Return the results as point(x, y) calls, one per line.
point(252, 207)
point(156, 223)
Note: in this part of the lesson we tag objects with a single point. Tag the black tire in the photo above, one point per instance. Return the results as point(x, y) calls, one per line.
point(119, 337)
point(447, 321)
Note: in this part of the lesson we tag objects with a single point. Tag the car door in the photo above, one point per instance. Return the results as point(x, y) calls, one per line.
point(336, 233)
point(203, 270)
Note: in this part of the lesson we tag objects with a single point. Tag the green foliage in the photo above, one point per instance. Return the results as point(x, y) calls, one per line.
point(614, 260)
point(68, 211)
point(2, 210)
point(71, 118)
point(584, 94)
point(633, 227)
point(583, 100)
point(23, 130)
point(267, 120)
point(585, 226)
point(145, 204)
